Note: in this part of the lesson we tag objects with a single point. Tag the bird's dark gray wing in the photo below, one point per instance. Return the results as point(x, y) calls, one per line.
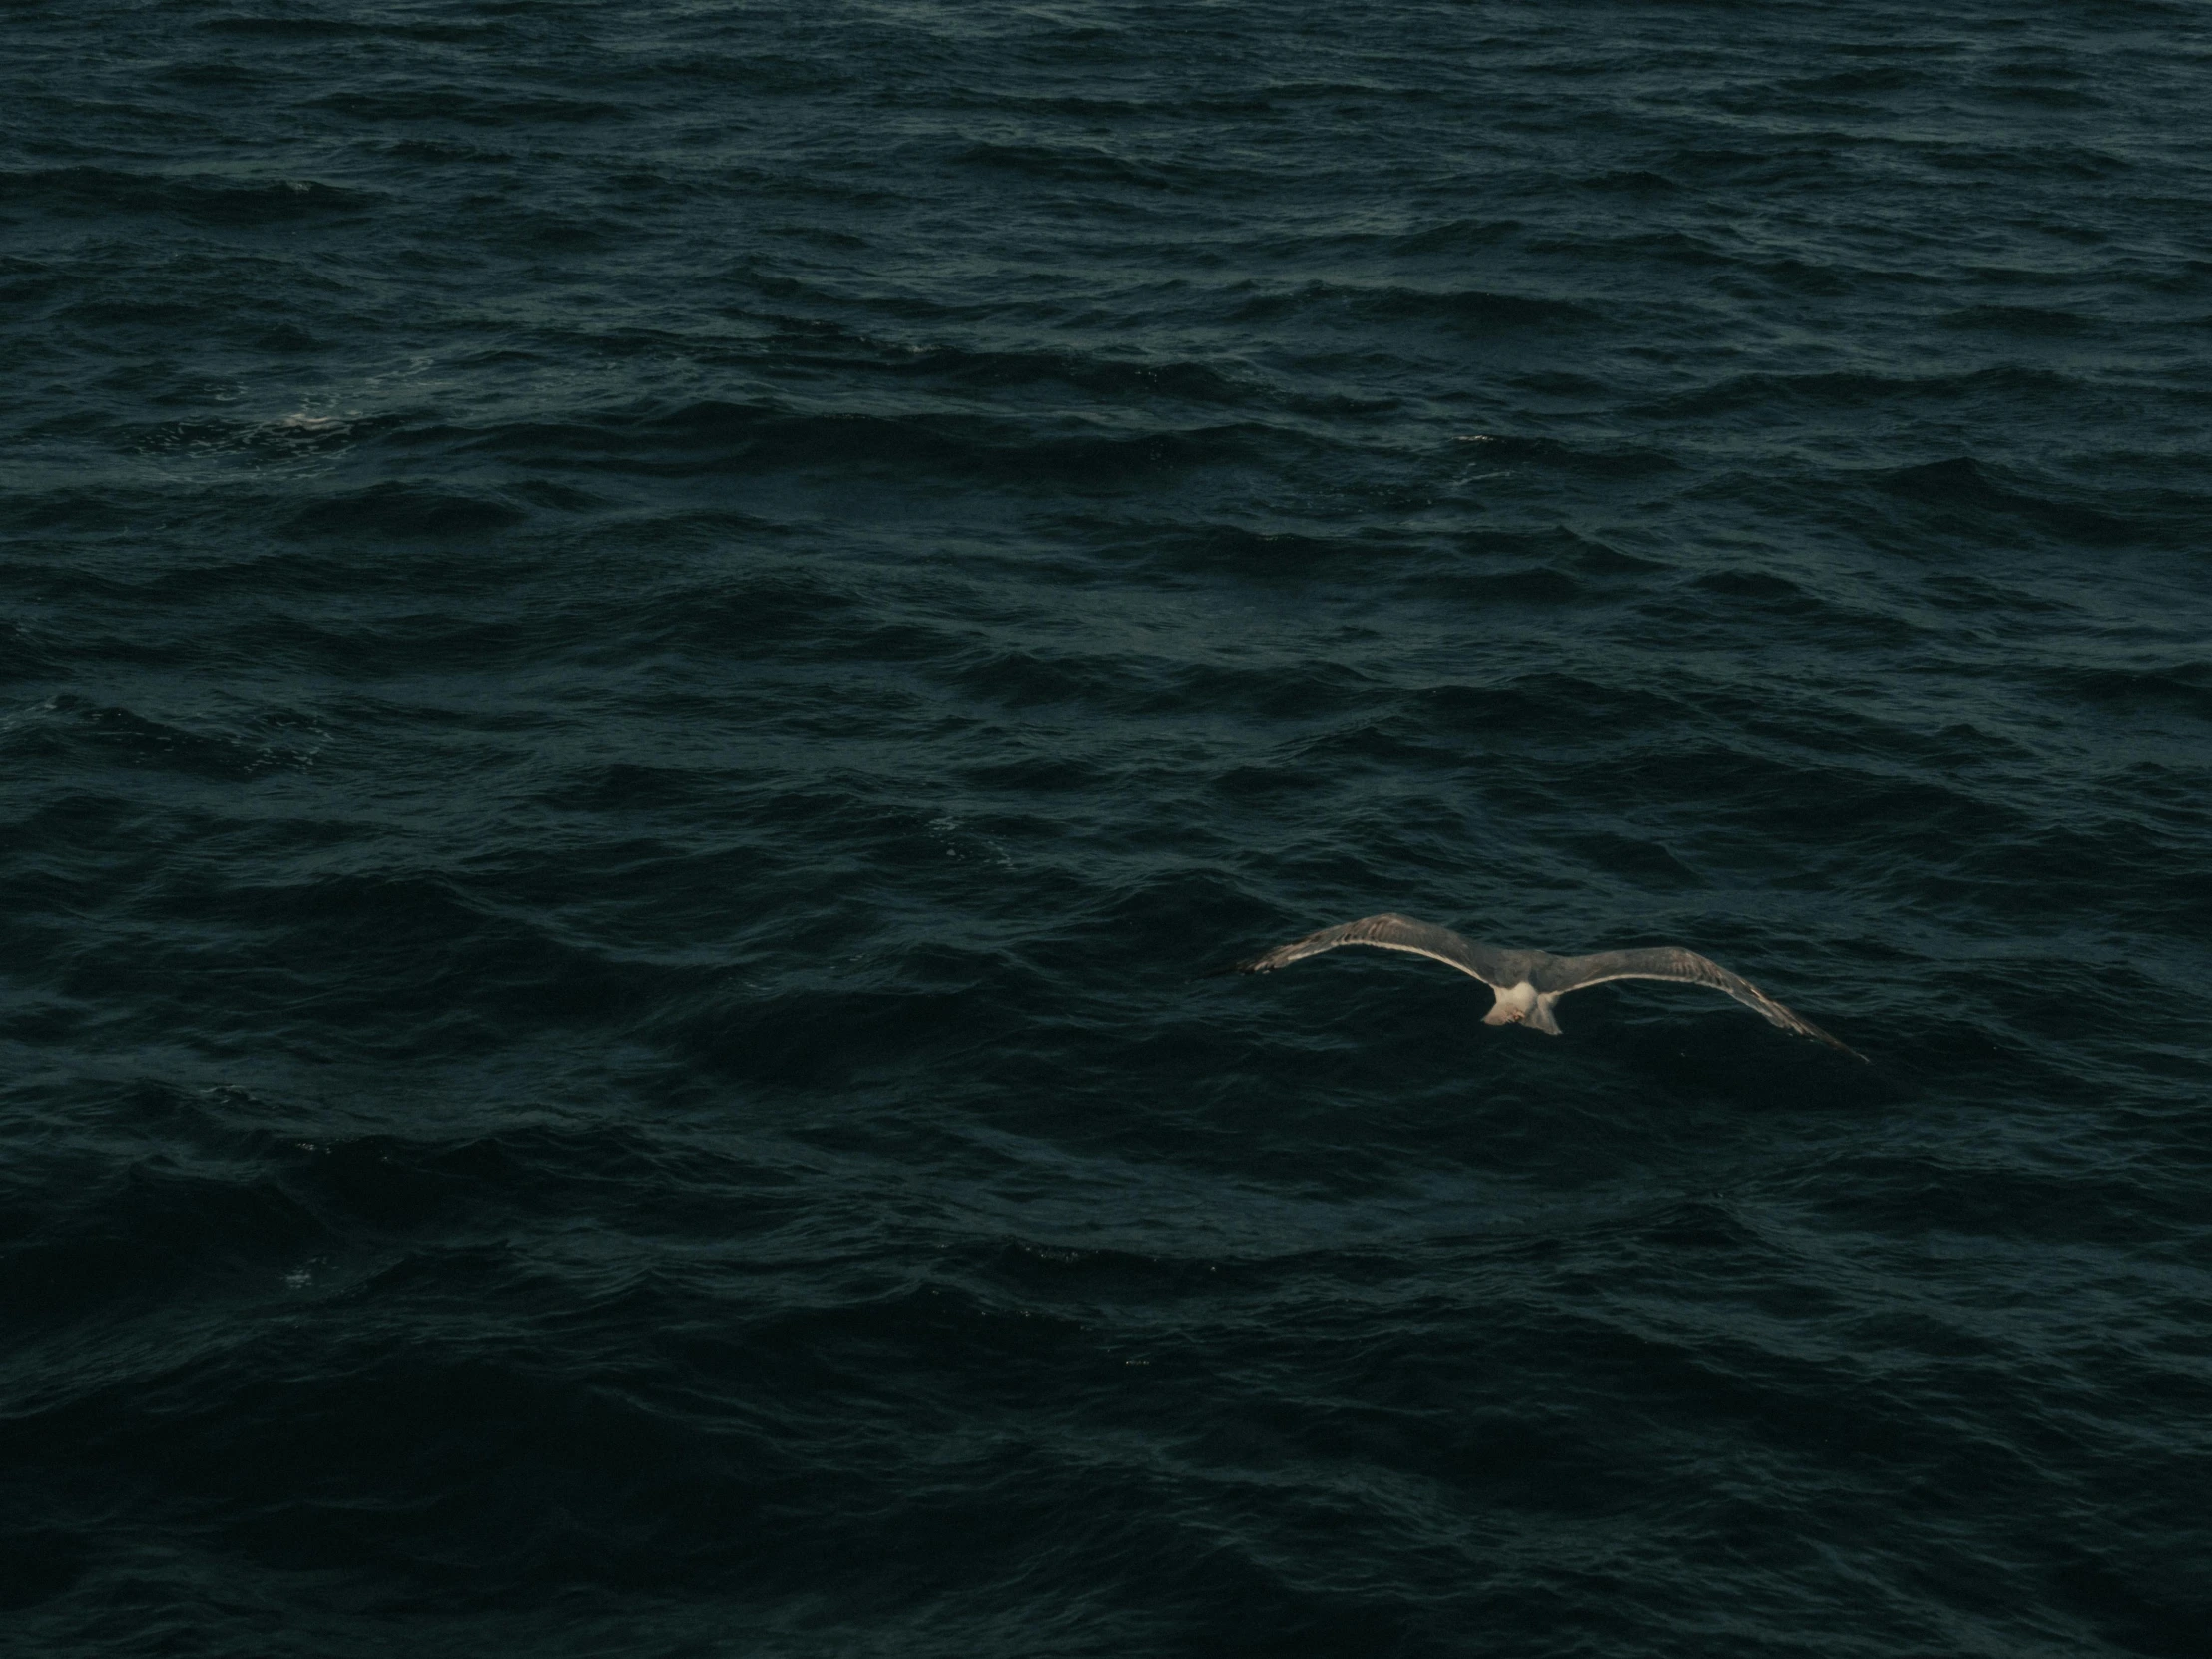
point(1570, 973)
point(1392, 932)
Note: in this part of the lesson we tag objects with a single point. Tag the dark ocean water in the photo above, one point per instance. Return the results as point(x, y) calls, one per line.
point(650, 651)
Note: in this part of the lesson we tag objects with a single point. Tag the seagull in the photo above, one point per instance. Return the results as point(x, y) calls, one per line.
point(1528, 982)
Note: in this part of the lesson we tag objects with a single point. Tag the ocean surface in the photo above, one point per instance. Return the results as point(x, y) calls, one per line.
point(650, 656)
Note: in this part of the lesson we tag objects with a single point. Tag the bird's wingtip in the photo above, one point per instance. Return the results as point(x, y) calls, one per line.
point(1838, 1043)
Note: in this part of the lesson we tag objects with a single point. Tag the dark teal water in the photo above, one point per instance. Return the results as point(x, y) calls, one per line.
point(650, 651)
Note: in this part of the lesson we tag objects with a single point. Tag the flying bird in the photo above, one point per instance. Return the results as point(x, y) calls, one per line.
point(1528, 982)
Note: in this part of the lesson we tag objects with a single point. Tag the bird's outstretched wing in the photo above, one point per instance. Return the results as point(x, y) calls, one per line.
point(1391, 932)
point(1570, 973)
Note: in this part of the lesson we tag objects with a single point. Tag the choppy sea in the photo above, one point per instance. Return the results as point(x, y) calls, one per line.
point(650, 654)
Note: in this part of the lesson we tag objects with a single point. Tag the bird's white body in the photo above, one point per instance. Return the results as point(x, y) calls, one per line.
point(1522, 1004)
